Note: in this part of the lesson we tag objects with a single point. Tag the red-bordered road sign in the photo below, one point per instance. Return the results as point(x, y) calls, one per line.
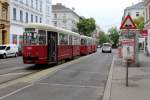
point(128, 23)
point(144, 33)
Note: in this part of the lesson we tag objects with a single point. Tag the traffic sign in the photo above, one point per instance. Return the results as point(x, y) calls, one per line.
point(144, 33)
point(128, 23)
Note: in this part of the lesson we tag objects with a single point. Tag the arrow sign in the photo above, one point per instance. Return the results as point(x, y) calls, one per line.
point(128, 23)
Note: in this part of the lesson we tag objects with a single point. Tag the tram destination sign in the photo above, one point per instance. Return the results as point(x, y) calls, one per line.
point(2, 26)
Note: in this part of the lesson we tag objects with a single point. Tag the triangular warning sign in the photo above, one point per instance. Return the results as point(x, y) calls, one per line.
point(128, 23)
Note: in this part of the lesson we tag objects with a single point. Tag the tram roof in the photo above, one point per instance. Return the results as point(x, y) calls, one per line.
point(83, 36)
point(49, 27)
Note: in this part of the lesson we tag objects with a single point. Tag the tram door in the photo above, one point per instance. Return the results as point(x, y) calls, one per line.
point(52, 47)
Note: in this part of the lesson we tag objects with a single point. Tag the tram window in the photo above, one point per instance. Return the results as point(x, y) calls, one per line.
point(42, 36)
point(75, 40)
point(30, 38)
point(70, 40)
point(83, 41)
point(63, 39)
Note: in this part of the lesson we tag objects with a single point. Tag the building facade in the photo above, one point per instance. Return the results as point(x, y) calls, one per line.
point(135, 11)
point(147, 22)
point(27, 11)
point(4, 22)
point(64, 17)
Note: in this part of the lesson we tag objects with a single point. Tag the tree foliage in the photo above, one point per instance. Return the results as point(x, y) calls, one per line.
point(114, 35)
point(139, 22)
point(86, 26)
point(103, 38)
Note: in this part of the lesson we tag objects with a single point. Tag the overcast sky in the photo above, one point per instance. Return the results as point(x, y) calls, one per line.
point(107, 13)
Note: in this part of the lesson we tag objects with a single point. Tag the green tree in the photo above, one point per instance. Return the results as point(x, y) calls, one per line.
point(86, 26)
point(139, 22)
point(103, 38)
point(114, 35)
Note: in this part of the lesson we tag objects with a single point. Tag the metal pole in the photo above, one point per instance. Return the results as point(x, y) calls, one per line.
point(127, 68)
point(127, 73)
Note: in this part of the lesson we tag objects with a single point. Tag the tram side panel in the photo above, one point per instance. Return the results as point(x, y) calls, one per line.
point(64, 46)
point(64, 52)
point(84, 46)
point(83, 50)
point(35, 54)
point(76, 46)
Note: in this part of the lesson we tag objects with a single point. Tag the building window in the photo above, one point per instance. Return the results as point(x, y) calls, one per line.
point(137, 14)
point(14, 39)
point(21, 1)
point(55, 15)
point(55, 23)
point(48, 10)
point(41, 6)
point(14, 14)
point(4, 12)
point(31, 18)
point(21, 16)
point(27, 2)
point(64, 21)
point(32, 3)
point(40, 20)
point(36, 4)
point(64, 16)
point(36, 19)
point(26, 17)
point(20, 39)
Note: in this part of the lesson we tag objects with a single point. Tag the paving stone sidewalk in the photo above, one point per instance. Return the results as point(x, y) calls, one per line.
point(139, 81)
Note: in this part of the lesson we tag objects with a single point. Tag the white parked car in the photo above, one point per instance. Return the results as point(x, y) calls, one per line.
point(8, 50)
point(107, 47)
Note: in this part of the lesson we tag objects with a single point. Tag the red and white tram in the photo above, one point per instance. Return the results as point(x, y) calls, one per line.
point(43, 44)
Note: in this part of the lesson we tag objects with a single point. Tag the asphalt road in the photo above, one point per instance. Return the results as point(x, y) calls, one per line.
point(13, 68)
point(84, 80)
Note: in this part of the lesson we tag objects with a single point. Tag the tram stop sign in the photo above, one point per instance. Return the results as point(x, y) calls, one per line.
point(128, 23)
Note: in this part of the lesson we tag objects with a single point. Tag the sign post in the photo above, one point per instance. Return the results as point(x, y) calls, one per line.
point(128, 42)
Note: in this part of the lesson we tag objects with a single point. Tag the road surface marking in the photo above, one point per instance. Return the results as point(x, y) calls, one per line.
point(11, 74)
point(5, 96)
point(107, 91)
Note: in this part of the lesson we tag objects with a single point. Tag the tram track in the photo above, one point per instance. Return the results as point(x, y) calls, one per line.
point(10, 74)
point(9, 59)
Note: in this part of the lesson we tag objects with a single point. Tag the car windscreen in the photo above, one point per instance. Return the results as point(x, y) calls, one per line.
point(107, 45)
point(2, 47)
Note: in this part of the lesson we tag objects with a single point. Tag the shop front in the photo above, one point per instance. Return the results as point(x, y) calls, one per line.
point(4, 22)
